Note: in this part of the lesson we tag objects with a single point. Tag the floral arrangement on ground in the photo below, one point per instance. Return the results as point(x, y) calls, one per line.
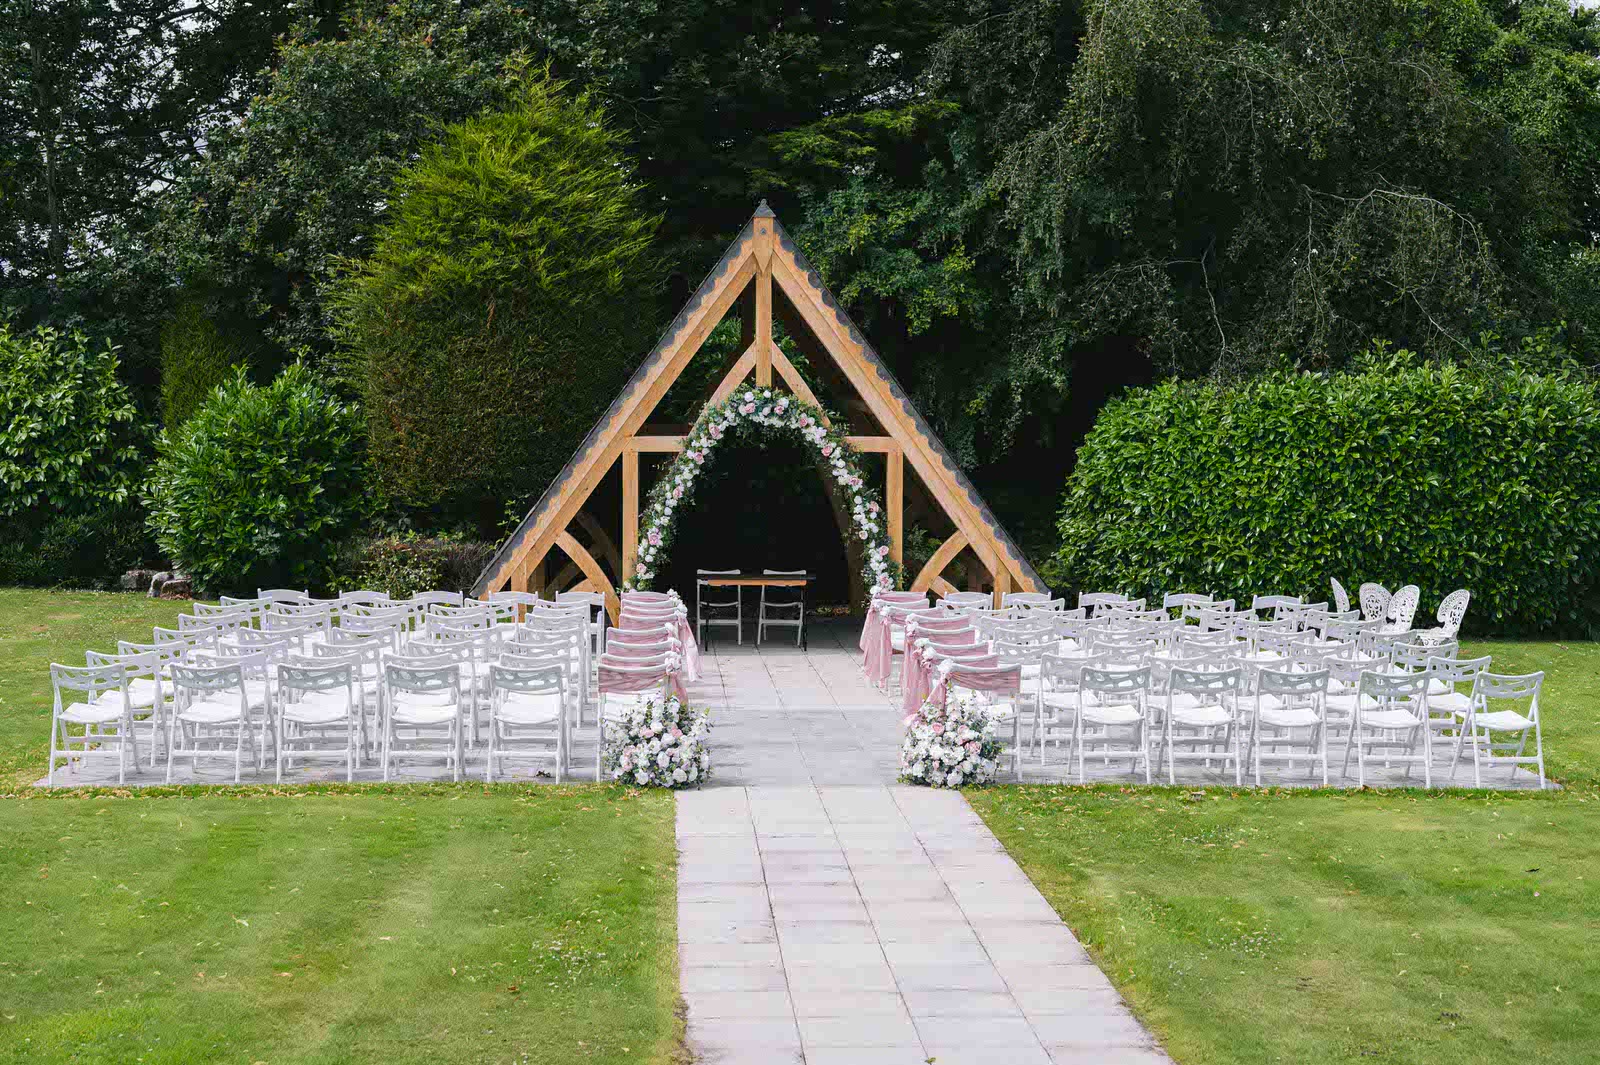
point(764, 408)
point(658, 744)
point(950, 744)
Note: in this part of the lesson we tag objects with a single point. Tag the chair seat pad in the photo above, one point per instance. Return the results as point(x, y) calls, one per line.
point(1184, 701)
point(1503, 721)
point(897, 640)
point(1289, 717)
point(1346, 702)
point(316, 709)
point(1030, 671)
point(1397, 719)
point(1201, 715)
point(95, 713)
point(1115, 714)
point(1061, 700)
point(1068, 647)
point(219, 711)
point(530, 708)
point(1452, 702)
point(409, 713)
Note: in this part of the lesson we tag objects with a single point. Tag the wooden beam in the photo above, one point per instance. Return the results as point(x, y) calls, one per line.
point(637, 444)
point(591, 569)
point(873, 443)
point(941, 558)
point(601, 539)
point(1002, 585)
point(885, 408)
point(536, 578)
point(630, 512)
point(735, 376)
point(796, 383)
point(764, 345)
point(894, 500)
point(940, 586)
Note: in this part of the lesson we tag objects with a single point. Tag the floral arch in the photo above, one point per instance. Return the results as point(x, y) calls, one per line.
point(772, 411)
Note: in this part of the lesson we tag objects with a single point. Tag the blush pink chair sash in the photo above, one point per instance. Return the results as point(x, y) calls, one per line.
point(877, 647)
point(917, 673)
point(980, 678)
point(634, 619)
point(635, 637)
point(621, 676)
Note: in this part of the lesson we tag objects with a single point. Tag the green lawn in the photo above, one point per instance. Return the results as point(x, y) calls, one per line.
point(39, 627)
point(1322, 928)
point(1570, 702)
point(410, 924)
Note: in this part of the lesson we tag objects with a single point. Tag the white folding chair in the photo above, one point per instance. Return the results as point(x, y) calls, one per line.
point(1204, 704)
point(527, 712)
point(422, 711)
point(211, 715)
point(105, 717)
point(705, 610)
point(776, 606)
point(1392, 718)
point(1288, 701)
point(148, 698)
point(318, 705)
point(1111, 700)
point(1518, 695)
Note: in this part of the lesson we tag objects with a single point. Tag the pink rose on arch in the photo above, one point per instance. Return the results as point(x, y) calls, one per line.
point(883, 552)
point(716, 432)
point(827, 449)
point(747, 408)
point(883, 581)
point(872, 508)
point(639, 569)
point(677, 493)
point(655, 538)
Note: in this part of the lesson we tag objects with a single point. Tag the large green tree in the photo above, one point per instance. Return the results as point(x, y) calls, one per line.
point(504, 302)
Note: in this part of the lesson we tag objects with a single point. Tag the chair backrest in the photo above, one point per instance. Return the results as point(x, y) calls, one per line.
point(1348, 670)
point(370, 652)
point(1349, 631)
point(1511, 686)
point(1413, 657)
point(194, 678)
point(1374, 599)
point(1451, 670)
point(1183, 599)
point(320, 678)
point(953, 643)
point(701, 585)
point(1273, 602)
point(1452, 609)
point(952, 599)
point(437, 598)
point(511, 675)
point(1403, 607)
point(283, 595)
point(522, 598)
point(1116, 681)
point(653, 634)
point(407, 677)
point(135, 663)
point(1061, 671)
point(1291, 681)
point(288, 635)
point(1389, 687)
point(1209, 640)
point(1341, 598)
point(1205, 681)
point(1093, 601)
point(1213, 618)
point(641, 651)
point(90, 680)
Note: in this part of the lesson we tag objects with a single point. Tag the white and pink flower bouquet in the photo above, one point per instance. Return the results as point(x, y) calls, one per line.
point(658, 744)
point(950, 746)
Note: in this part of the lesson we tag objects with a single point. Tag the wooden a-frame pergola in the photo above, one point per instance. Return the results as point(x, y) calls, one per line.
point(765, 275)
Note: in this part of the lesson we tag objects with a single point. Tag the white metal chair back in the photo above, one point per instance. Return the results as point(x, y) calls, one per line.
point(1374, 600)
point(1092, 602)
point(437, 598)
point(283, 595)
point(957, 600)
point(706, 610)
point(1402, 609)
point(1341, 598)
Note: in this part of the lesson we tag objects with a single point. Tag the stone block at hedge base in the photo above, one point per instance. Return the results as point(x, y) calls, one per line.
point(178, 588)
point(135, 579)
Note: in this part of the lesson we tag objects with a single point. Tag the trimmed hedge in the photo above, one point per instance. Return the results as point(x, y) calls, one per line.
point(1440, 477)
point(408, 563)
point(197, 356)
point(261, 485)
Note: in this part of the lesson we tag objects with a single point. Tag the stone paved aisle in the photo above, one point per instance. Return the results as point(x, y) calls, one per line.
point(877, 925)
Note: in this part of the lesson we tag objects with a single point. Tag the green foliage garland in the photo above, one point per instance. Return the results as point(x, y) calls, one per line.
point(750, 410)
point(1443, 478)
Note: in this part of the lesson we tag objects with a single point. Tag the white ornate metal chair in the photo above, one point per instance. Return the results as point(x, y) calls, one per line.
point(778, 610)
point(1374, 599)
point(1452, 609)
point(1341, 598)
point(1402, 609)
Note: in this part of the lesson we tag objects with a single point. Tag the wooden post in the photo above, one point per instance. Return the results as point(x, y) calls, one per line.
point(764, 329)
point(630, 512)
point(1002, 584)
point(894, 500)
point(535, 581)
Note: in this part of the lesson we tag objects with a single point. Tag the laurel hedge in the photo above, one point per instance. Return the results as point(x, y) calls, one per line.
point(1437, 476)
